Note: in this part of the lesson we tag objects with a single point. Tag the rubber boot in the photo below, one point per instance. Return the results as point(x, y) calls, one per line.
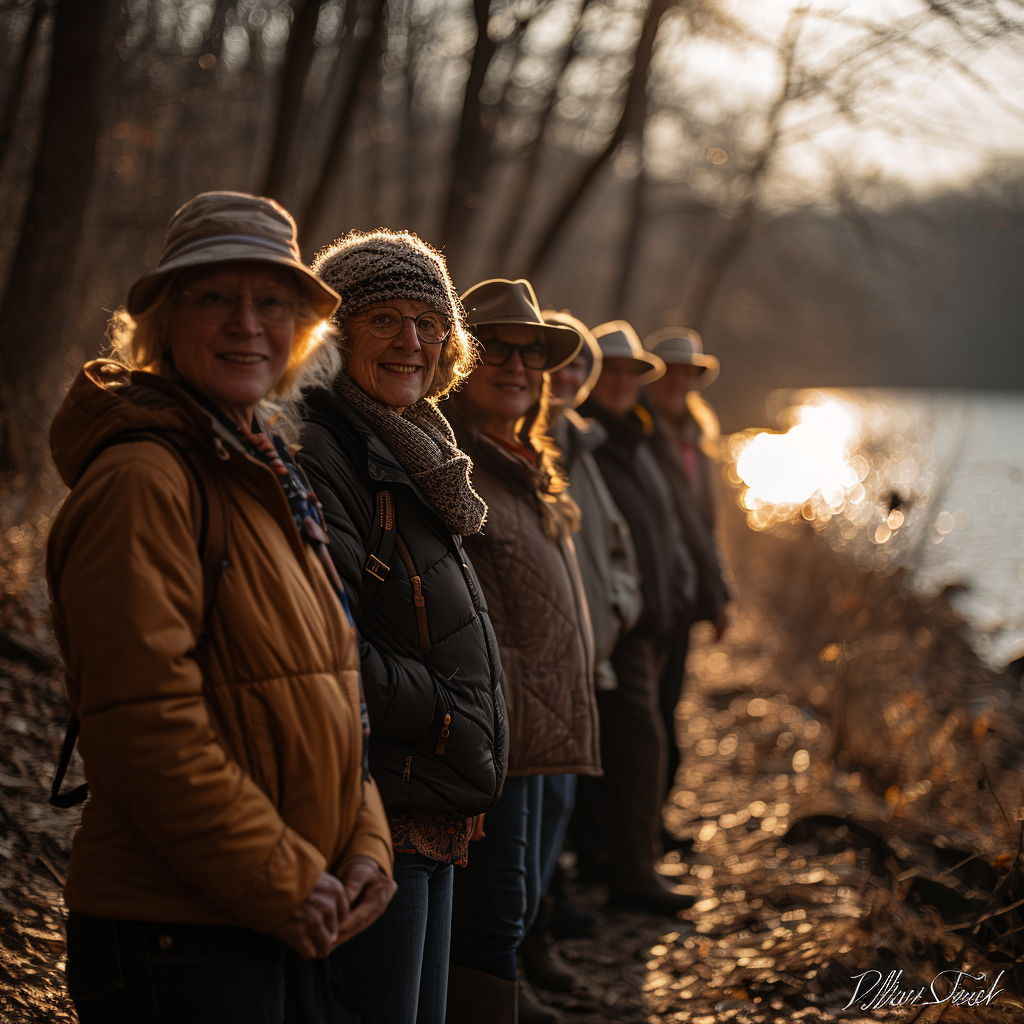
point(474, 996)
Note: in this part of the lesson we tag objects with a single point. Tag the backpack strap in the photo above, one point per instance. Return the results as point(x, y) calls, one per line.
point(210, 515)
point(381, 546)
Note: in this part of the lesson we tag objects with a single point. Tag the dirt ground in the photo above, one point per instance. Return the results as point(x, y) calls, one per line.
point(850, 785)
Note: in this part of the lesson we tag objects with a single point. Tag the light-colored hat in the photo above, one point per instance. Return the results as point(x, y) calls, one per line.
point(223, 227)
point(618, 340)
point(500, 301)
point(590, 350)
point(683, 345)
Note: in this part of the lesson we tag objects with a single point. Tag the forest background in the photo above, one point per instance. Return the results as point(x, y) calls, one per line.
point(832, 193)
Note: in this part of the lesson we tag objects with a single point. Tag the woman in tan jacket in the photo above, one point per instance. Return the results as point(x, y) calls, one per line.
point(527, 567)
point(233, 835)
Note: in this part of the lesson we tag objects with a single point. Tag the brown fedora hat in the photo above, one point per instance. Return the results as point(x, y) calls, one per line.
point(499, 301)
point(225, 227)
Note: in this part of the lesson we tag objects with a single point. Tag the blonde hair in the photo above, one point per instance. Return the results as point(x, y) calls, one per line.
point(141, 343)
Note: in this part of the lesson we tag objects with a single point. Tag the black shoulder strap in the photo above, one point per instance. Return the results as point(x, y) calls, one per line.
point(210, 515)
point(381, 546)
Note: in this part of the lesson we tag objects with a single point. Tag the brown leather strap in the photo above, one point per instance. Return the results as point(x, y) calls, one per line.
point(417, 592)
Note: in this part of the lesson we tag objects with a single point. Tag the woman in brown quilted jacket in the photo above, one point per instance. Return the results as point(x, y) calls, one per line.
point(232, 837)
point(527, 567)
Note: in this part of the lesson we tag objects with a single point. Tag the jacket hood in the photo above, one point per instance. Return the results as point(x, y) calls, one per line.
point(107, 399)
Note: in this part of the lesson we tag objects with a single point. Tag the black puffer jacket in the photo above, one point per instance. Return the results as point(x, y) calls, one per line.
point(418, 760)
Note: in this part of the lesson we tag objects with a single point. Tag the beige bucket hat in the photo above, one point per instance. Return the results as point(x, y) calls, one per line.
point(500, 301)
point(222, 227)
point(683, 345)
point(590, 350)
point(618, 340)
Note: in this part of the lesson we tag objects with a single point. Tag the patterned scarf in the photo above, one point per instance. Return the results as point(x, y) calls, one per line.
point(422, 441)
point(309, 518)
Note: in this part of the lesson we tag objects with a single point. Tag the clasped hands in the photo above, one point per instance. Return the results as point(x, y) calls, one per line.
point(337, 909)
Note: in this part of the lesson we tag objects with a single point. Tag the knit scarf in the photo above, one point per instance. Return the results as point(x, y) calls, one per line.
point(422, 441)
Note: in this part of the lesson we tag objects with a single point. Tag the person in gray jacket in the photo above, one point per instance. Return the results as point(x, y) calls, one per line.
point(604, 546)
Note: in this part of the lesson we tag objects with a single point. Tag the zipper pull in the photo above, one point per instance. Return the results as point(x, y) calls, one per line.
point(445, 732)
point(407, 774)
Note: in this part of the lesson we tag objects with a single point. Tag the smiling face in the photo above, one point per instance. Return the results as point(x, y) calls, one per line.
point(500, 396)
point(618, 387)
point(566, 382)
point(668, 393)
point(397, 371)
point(230, 332)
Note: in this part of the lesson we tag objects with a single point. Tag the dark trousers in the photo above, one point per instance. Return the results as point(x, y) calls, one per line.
point(398, 968)
point(497, 894)
point(138, 972)
point(621, 812)
point(672, 681)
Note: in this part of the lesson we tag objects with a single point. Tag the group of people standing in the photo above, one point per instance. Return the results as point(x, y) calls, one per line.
point(356, 579)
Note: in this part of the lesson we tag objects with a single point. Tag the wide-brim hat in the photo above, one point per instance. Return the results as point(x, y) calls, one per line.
point(499, 301)
point(618, 340)
point(590, 350)
point(229, 227)
point(683, 345)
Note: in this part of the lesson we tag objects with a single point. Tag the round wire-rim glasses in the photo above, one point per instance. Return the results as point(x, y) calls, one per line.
point(432, 327)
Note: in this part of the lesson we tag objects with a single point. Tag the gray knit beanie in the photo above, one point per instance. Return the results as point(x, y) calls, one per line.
point(373, 267)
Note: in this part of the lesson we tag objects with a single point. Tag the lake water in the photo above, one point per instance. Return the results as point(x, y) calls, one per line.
point(929, 481)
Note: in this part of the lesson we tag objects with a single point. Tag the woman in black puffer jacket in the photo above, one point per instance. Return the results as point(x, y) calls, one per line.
point(397, 498)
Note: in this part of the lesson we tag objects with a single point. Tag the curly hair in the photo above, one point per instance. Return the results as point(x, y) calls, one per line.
point(141, 343)
point(372, 267)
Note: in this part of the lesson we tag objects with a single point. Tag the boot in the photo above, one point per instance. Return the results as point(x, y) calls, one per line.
point(474, 996)
point(531, 1009)
point(541, 962)
point(652, 897)
point(568, 920)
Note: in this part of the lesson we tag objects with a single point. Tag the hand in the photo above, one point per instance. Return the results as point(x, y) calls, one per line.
point(478, 832)
point(368, 891)
point(312, 927)
point(722, 624)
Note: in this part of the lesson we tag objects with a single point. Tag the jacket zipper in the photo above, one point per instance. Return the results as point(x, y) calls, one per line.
point(445, 732)
point(407, 774)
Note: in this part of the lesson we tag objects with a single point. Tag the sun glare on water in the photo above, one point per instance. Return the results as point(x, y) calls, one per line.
point(812, 458)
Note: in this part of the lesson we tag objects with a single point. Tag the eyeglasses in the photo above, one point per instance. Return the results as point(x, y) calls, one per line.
point(535, 356)
point(431, 326)
point(216, 306)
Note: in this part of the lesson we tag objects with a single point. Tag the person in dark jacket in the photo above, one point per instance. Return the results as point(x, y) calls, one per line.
point(527, 565)
point(398, 501)
point(677, 443)
point(634, 752)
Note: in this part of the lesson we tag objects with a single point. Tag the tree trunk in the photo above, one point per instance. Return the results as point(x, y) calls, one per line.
point(22, 77)
point(361, 74)
point(301, 49)
point(630, 122)
point(469, 144)
point(519, 193)
point(38, 301)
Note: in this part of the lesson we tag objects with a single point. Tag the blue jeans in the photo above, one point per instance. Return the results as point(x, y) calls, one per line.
point(558, 800)
point(142, 972)
point(398, 968)
point(500, 890)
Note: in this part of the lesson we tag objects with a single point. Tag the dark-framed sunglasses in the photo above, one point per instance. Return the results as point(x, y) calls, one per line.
point(386, 322)
point(535, 356)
